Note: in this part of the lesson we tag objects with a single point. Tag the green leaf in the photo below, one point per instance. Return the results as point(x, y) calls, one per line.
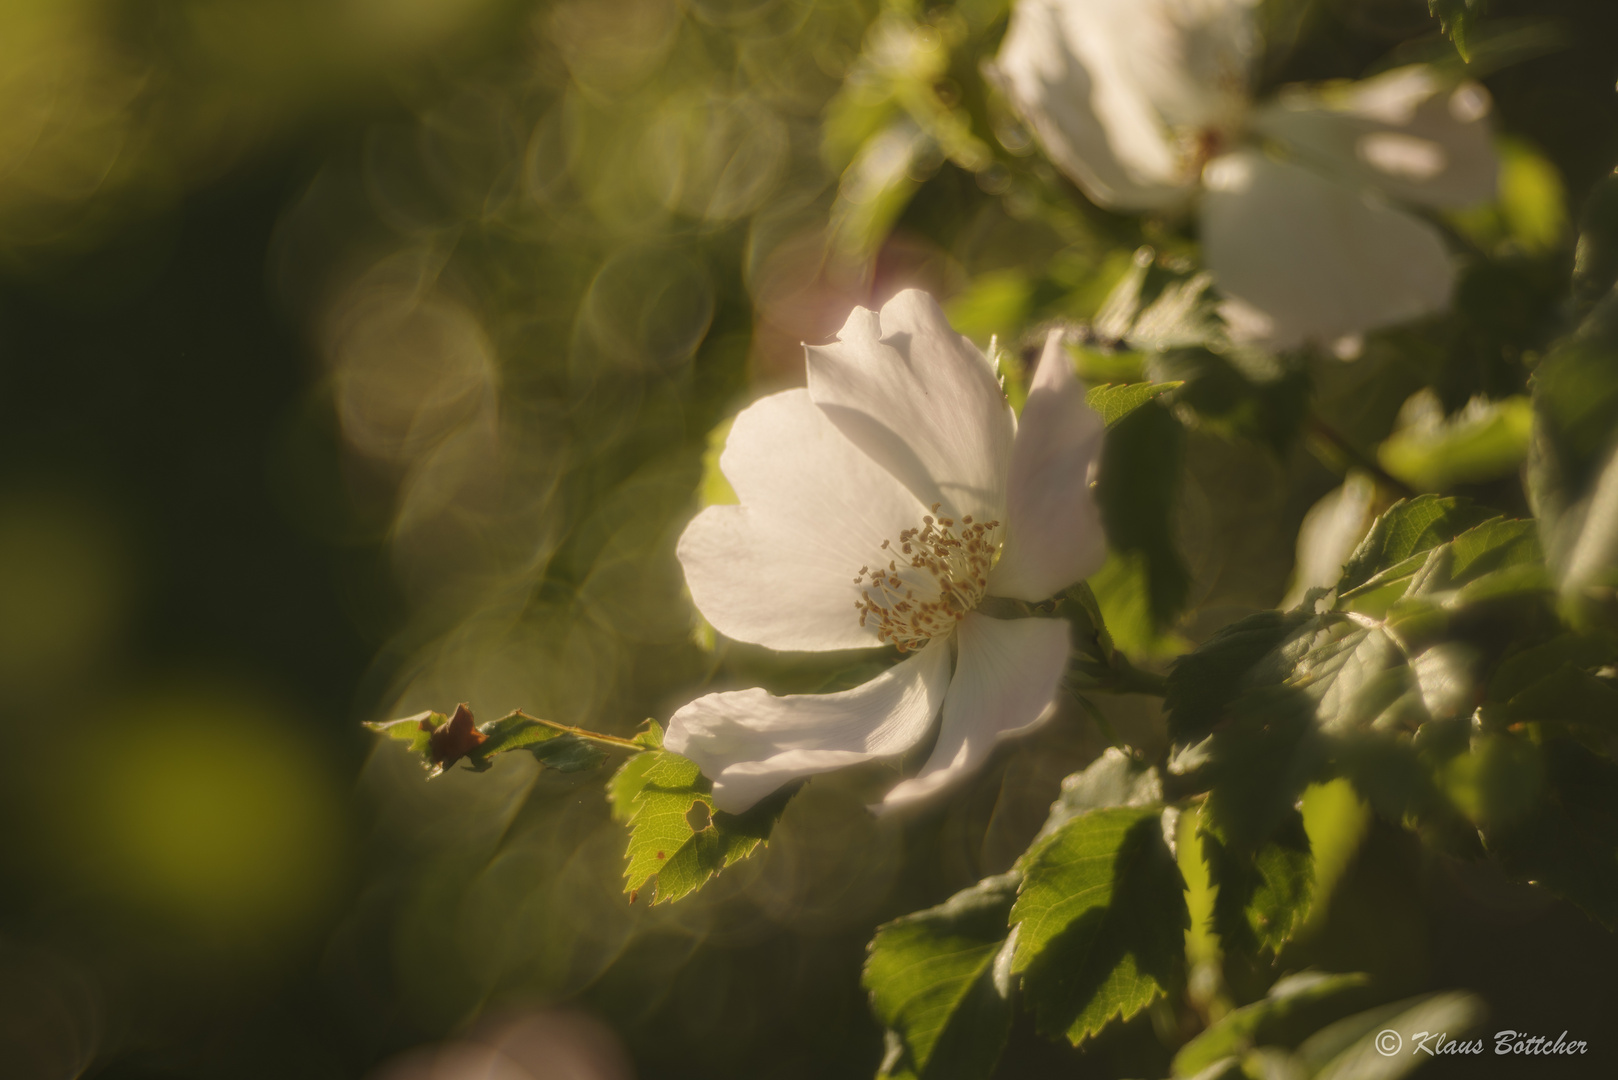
point(1566, 840)
point(1113, 779)
point(1348, 1049)
point(677, 840)
point(1263, 896)
point(1573, 459)
point(1260, 763)
point(1146, 583)
point(1296, 1004)
point(935, 983)
point(1101, 919)
point(715, 490)
point(1457, 18)
point(1595, 262)
point(1533, 199)
point(555, 749)
point(1484, 441)
point(1578, 650)
point(1409, 528)
point(1116, 402)
point(1238, 394)
point(1203, 683)
point(440, 742)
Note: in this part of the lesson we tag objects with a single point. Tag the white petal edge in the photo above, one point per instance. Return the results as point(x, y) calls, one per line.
point(749, 742)
point(1006, 676)
point(778, 569)
point(1410, 133)
point(1105, 83)
point(1053, 531)
point(922, 401)
point(1308, 259)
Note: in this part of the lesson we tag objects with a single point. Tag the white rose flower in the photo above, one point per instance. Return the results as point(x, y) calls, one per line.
point(1146, 105)
point(880, 506)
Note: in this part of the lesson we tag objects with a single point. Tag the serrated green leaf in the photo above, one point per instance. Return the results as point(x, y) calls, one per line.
point(1296, 1004)
point(1113, 779)
point(677, 840)
point(1457, 19)
point(933, 982)
point(554, 749)
point(441, 741)
point(1116, 402)
point(1101, 919)
point(1409, 528)
point(1497, 558)
point(414, 731)
point(1263, 896)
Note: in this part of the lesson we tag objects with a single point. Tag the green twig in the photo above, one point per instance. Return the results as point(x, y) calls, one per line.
point(582, 733)
point(1348, 453)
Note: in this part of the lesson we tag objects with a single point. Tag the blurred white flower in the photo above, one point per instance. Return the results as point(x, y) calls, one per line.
point(880, 506)
point(1146, 105)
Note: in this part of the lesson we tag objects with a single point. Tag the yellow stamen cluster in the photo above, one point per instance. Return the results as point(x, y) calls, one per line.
point(937, 575)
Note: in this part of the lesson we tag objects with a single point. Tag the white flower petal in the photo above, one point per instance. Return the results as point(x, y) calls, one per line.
point(922, 401)
point(1408, 132)
point(1305, 258)
point(749, 743)
point(1053, 531)
point(1118, 90)
point(1005, 683)
point(778, 569)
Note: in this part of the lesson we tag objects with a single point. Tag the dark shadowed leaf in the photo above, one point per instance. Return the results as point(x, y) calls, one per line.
point(1263, 896)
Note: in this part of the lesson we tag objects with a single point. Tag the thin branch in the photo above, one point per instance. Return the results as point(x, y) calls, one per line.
point(1352, 455)
point(582, 733)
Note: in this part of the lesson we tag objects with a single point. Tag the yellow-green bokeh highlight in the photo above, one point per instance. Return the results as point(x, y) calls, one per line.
point(203, 809)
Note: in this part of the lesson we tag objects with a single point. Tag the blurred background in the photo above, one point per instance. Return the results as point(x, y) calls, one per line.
point(362, 357)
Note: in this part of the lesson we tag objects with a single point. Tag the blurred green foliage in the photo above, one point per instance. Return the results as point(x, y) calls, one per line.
point(367, 357)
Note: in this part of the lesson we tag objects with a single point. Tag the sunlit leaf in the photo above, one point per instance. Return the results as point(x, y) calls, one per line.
point(1101, 919)
point(935, 982)
point(1296, 1005)
point(1116, 402)
point(1484, 441)
point(1349, 1049)
point(440, 742)
point(677, 840)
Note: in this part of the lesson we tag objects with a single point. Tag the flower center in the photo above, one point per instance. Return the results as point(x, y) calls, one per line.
point(937, 575)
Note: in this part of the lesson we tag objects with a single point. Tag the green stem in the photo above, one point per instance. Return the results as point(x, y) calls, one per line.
point(582, 733)
point(1323, 432)
point(1130, 679)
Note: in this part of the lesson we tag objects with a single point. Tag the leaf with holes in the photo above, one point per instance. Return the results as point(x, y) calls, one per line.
point(677, 840)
